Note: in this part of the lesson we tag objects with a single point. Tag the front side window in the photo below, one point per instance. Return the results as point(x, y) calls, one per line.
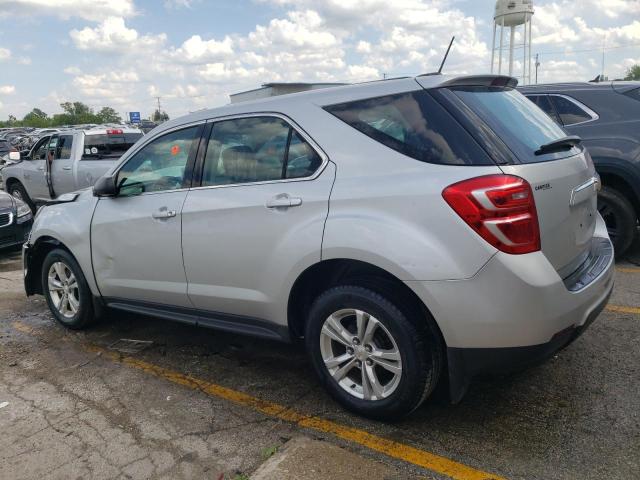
point(568, 111)
point(414, 124)
point(40, 150)
point(160, 165)
point(256, 149)
point(63, 147)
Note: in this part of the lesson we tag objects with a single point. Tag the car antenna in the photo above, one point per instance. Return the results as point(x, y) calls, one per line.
point(446, 54)
point(439, 72)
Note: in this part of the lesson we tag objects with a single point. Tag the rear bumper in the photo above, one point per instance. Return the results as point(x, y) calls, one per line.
point(516, 311)
point(465, 363)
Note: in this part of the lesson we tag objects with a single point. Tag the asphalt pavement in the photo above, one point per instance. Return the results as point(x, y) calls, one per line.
point(136, 397)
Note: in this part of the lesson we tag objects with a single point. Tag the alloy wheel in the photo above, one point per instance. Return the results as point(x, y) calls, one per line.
point(63, 289)
point(360, 354)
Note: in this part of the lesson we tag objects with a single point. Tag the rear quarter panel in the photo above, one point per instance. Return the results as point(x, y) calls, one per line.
point(387, 209)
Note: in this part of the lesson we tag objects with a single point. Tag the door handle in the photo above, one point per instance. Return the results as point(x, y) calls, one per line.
point(284, 201)
point(41, 169)
point(66, 168)
point(164, 214)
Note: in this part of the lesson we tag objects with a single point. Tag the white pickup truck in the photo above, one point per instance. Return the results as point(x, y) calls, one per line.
point(66, 161)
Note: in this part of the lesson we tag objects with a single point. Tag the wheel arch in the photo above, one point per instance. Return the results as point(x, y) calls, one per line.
point(37, 253)
point(621, 179)
point(340, 271)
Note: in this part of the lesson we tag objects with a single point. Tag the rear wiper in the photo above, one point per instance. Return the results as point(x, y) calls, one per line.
point(563, 143)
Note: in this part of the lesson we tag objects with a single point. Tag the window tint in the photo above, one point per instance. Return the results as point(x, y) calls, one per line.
point(63, 148)
point(101, 146)
point(302, 159)
point(523, 127)
point(160, 165)
point(568, 111)
point(413, 124)
point(245, 150)
point(543, 102)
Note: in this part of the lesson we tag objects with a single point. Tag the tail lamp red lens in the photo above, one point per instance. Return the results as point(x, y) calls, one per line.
point(500, 208)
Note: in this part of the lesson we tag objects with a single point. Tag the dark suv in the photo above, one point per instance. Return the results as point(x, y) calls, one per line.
point(607, 118)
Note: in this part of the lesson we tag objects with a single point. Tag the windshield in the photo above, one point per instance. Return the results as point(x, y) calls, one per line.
point(108, 146)
point(519, 122)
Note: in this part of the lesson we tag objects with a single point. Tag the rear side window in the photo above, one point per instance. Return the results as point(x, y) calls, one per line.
point(522, 126)
point(543, 102)
point(413, 124)
point(568, 111)
point(97, 147)
point(256, 149)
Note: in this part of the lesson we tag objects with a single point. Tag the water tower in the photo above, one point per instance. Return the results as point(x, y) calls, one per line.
point(512, 14)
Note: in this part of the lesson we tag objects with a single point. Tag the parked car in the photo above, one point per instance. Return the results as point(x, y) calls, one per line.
point(15, 221)
point(66, 161)
point(409, 230)
point(607, 118)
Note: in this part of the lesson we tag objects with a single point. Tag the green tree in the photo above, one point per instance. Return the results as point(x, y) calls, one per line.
point(36, 118)
point(633, 73)
point(159, 116)
point(108, 115)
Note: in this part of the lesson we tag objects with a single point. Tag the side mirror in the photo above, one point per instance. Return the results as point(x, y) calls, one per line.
point(105, 187)
point(14, 156)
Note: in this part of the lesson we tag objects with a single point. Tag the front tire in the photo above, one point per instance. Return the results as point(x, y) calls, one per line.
point(369, 356)
point(17, 190)
point(66, 290)
point(620, 218)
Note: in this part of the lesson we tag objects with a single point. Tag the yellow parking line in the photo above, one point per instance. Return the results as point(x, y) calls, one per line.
point(622, 309)
point(628, 269)
point(416, 456)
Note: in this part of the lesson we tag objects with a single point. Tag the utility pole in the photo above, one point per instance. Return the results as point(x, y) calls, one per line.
point(158, 98)
point(537, 65)
point(604, 42)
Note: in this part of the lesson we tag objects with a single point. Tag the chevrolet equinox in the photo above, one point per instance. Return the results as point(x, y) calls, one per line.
point(408, 231)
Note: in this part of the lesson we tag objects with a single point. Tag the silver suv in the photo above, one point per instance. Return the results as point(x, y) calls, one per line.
point(410, 231)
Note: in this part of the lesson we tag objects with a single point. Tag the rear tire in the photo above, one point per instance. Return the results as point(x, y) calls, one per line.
point(66, 290)
point(17, 190)
point(620, 218)
point(371, 387)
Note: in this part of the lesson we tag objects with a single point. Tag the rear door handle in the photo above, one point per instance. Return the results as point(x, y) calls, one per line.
point(160, 214)
point(66, 168)
point(284, 201)
point(41, 169)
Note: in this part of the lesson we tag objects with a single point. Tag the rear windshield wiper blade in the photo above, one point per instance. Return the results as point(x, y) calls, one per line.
point(563, 143)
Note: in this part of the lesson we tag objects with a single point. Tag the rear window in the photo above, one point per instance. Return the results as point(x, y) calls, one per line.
point(516, 120)
point(413, 124)
point(101, 146)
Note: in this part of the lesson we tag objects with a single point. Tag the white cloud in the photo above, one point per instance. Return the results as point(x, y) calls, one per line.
point(7, 89)
point(94, 10)
point(113, 36)
point(196, 50)
point(5, 54)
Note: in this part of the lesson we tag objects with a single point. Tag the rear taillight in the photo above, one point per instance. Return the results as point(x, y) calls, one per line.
point(500, 208)
point(114, 131)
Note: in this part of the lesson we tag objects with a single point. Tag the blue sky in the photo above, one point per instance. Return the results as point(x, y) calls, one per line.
point(192, 54)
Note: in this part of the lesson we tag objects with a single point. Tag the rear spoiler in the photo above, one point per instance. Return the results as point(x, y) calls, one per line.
point(481, 81)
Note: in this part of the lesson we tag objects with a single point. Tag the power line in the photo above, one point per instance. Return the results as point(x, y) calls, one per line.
point(598, 49)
